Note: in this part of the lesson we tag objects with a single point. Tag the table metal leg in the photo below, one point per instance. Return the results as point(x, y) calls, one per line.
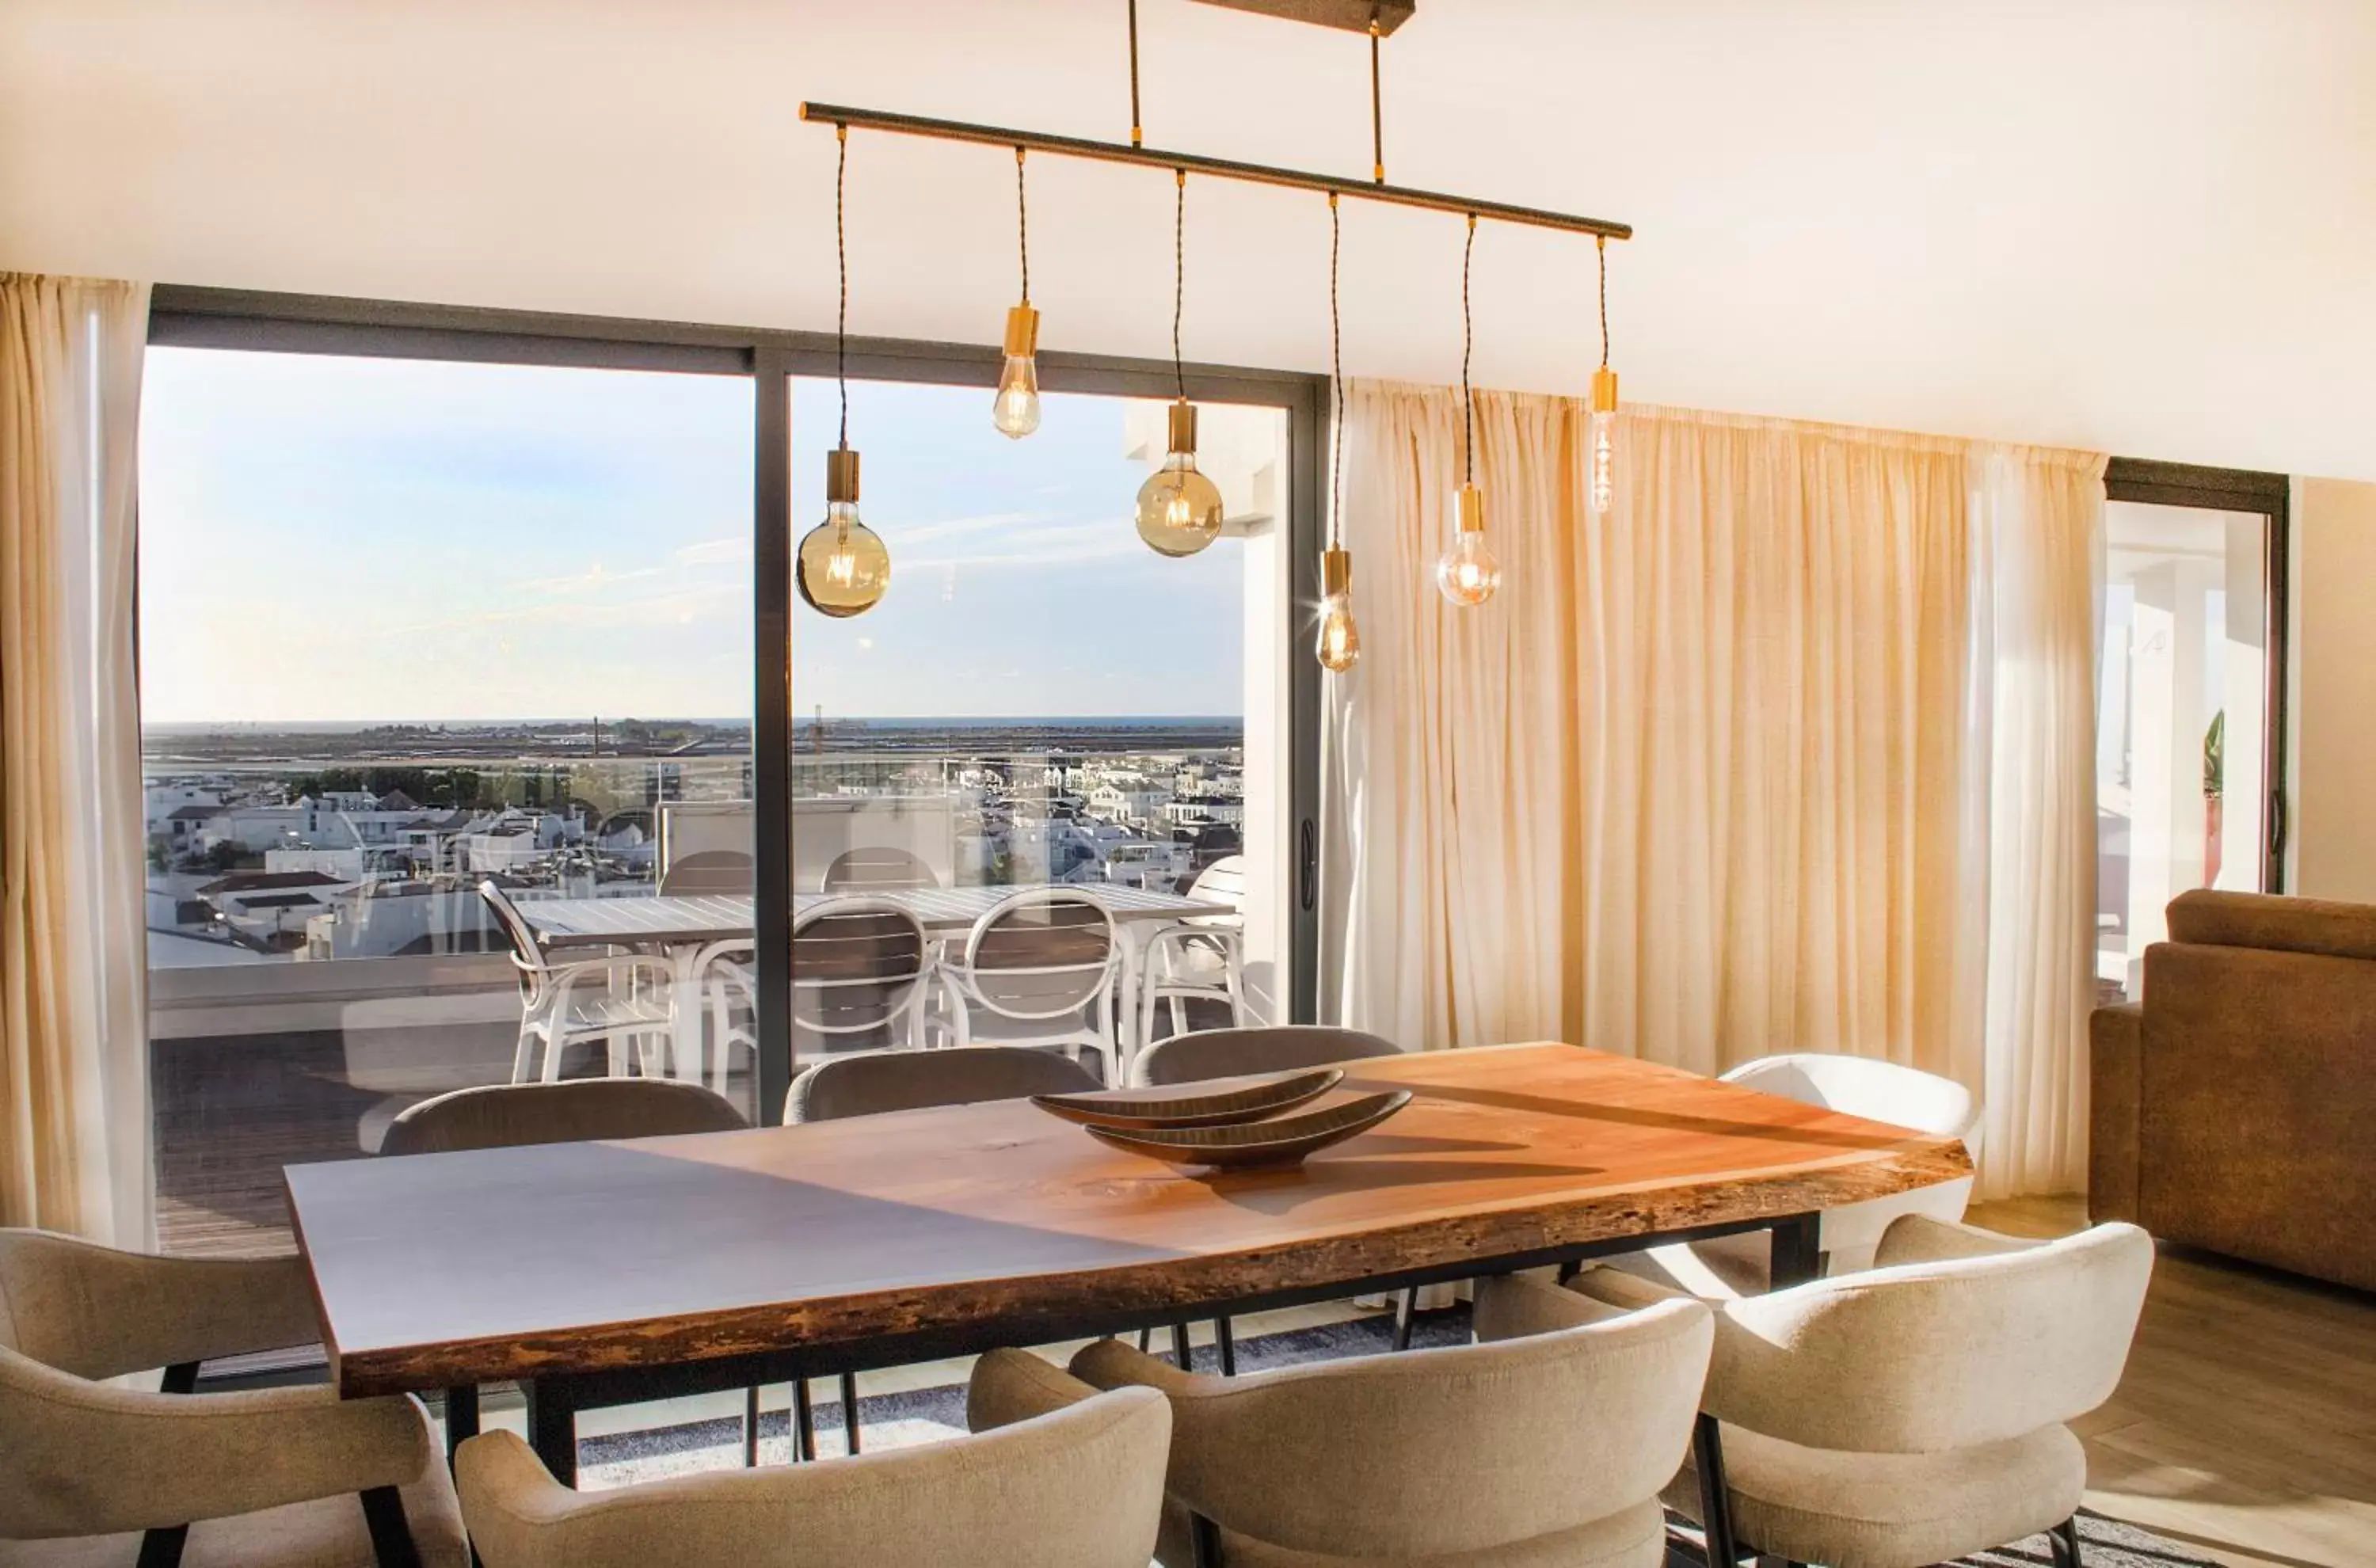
point(1406, 1311)
point(552, 1428)
point(461, 1419)
point(1226, 1338)
point(1796, 1257)
point(849, 1412)
point(1181, 1352)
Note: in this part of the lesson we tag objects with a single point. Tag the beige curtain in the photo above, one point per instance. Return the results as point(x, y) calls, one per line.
point(1717, 776)
point(73, 1098)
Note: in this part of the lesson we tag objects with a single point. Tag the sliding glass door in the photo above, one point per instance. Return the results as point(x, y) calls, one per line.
point(2189, 713)
point(472, 668)
point(1040, 700)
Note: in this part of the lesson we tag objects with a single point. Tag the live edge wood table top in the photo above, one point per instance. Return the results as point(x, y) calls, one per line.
point(998, 1223)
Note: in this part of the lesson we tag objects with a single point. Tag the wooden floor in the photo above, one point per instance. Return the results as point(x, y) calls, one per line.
point(2246, 1424)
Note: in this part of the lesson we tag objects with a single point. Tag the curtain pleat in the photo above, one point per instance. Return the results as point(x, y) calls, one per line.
point(1731, 771)
point(74, 1093)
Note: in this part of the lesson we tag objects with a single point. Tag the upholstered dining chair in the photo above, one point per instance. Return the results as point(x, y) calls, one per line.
point(1911, 1414)
point(1861, 1085)
point(1235, 1053)
point(875, 1082)
point(1041, 967)
point(1078, 1489)
point(624, 1001)
point(1537, 1451)
point(92, 1473)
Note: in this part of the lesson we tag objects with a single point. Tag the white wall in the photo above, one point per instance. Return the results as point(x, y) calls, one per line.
point(2139, 226)
point(2331, 852)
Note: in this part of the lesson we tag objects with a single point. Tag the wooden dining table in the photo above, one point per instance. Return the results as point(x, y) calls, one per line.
point(595, 1273)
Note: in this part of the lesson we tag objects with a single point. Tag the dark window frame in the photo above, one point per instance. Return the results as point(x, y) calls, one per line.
point(261, 321)
point(2271, 495)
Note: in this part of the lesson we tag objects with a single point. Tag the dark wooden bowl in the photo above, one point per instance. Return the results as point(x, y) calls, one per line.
point(1249, 1101)
point(1286, 1140)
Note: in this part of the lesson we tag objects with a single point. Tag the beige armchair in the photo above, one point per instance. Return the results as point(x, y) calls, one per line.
point(1913, 1413)
point(100, 1473)
point(1544, 1451)
point(1080, 1489)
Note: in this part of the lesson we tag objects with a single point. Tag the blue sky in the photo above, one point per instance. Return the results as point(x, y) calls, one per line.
point(326, 539)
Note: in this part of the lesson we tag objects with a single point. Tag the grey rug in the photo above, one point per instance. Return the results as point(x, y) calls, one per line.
point(927, 1415)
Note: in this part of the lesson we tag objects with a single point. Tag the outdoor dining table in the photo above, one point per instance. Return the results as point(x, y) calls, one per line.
point(685, 927)
point(597, 1274)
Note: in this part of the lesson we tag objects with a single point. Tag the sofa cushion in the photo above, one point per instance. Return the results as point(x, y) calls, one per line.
point(2204, 917)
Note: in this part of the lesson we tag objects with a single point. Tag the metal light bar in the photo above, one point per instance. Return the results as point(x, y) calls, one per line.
point(1219, 168)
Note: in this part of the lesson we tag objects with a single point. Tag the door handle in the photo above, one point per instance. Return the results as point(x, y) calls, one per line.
point(1308, 866)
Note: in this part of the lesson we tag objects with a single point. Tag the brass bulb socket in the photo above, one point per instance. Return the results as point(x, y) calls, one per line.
point(1470, 506)
point(841, 476)
point(1336, 572)
point(1604, 391)
point(1183, 424)
point(1022, 332)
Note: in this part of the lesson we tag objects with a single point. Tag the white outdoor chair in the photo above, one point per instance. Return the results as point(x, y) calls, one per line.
point(1860, 1086)
point(860, 967)
point(1039, 968)
point(626, 1001)
point(1200, 957)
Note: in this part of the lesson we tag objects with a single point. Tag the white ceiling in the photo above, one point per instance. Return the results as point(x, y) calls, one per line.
point(2145, 226)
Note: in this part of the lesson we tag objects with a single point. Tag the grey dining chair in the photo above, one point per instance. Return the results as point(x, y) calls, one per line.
point(878, 1081)
point(1272, 1048)
point(578, 1110)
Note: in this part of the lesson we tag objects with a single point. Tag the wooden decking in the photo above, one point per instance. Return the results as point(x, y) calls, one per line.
point(2246, 1424)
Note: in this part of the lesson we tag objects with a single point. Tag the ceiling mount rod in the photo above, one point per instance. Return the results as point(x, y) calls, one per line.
point(1219, 168)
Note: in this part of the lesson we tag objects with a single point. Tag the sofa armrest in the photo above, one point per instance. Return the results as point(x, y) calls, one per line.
point(2116, 1053)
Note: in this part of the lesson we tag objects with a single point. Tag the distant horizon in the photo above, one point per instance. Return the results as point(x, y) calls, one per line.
point(966, 720)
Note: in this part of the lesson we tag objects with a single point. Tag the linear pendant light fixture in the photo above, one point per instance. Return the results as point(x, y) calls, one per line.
point(1179, 509)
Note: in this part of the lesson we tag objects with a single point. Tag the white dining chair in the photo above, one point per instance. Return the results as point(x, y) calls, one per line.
point(1041, 967)
point(1196, 957)
point(1859, 1085)
point(626, 1001)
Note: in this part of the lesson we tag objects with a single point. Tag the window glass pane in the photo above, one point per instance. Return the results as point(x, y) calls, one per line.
point(2182, 720)
point(408, 627)
point(1040, 700)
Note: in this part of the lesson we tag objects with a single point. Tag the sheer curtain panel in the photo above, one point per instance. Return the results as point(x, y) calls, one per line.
point(1776, 757)
point(74, 1097)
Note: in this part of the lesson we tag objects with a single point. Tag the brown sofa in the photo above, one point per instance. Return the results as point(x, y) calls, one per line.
point(2235, 1108)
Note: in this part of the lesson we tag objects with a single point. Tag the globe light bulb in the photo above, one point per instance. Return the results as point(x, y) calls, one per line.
point(1467, 572)
point(1016, 410)
point(1179, 509)
point(1601, 485)
point(1339, 647)
point(842, 566)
